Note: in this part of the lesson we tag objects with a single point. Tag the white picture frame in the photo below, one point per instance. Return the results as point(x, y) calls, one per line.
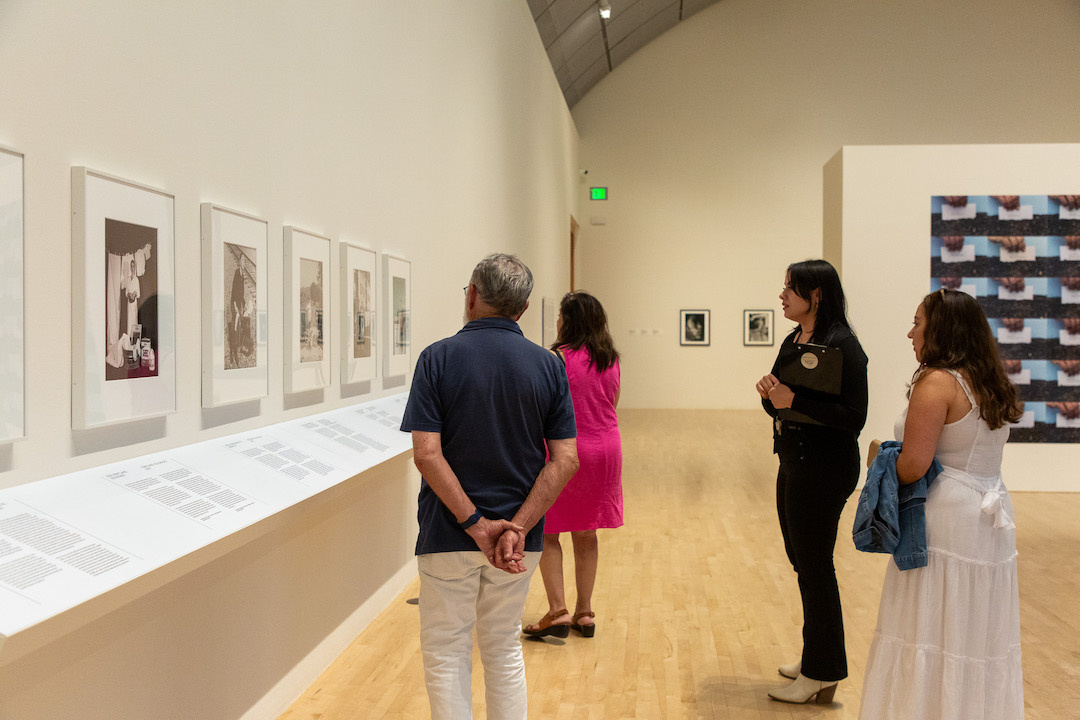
point(123, 301)
point(397, 316)
point(235, 357)
point(12, 289)
point(358, 305)
point(549, 332)
point(308, 310)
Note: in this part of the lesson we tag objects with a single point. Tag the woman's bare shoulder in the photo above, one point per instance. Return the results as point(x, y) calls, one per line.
point(935, 381)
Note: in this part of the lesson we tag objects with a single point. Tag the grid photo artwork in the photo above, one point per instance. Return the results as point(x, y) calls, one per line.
point(1019, 256)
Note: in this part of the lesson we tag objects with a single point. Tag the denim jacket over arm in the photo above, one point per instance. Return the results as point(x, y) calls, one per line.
point(890, 517)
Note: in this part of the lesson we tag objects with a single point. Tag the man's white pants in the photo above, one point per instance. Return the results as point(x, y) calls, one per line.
point(460, 590)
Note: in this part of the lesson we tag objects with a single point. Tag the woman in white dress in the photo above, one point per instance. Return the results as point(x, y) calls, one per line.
point(947, 643)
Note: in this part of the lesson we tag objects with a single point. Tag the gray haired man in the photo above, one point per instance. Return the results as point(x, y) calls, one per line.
point(494, 438)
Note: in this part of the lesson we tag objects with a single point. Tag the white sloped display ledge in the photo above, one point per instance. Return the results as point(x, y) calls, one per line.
point(70, 539)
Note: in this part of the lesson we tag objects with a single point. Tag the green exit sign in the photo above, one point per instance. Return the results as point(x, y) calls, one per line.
point(598, 193)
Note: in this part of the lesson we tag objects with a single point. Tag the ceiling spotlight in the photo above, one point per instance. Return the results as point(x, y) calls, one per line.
point(605, 9)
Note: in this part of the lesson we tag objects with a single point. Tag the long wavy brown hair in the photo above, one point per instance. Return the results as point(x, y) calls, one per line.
point(958, 337)
point(584, 324)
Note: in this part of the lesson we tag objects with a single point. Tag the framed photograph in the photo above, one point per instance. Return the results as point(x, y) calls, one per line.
point(123, 343)
point(757, 327)
point(1017, 256)
point(358, 333)
point(397, 310)
point(693, 327)
point(12, 306)
point(234, 322)
point(307, 310)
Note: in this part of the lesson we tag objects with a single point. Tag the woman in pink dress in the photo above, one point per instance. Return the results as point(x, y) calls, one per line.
point(593, 497)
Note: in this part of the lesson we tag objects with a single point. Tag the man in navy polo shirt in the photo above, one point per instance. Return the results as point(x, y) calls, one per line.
point(494, 438)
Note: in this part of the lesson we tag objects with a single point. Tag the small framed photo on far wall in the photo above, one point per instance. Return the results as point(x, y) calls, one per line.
point(757, 327)
point(693, 327)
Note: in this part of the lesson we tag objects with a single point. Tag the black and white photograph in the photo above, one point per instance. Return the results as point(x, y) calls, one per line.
point(396, 315)
point(311, 310)
point(693, 327)
point(234, 285)
point(757, 327)
point(123, 328)
point(240, 265)
point(131, 302)
point(401, 317)
point(361, 313)
point(357, 326)
point(309, 315)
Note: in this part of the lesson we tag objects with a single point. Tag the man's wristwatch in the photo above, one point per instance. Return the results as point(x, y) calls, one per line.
point(472, 520)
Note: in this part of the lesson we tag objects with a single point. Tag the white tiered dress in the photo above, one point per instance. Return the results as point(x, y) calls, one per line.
point(947, 643)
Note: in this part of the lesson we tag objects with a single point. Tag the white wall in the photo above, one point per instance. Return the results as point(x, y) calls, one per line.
point(431, 130)
point(885, 239)
point(713, 138)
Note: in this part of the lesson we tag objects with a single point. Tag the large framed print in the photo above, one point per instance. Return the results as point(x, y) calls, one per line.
point(12, 306)
point(234, 322)
point(358, 297)
point(1019, 257)
point(397, 313)
point(307, 310)
point(123, 303)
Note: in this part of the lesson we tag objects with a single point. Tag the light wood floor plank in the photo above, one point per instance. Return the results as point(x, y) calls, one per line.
point(696, 604)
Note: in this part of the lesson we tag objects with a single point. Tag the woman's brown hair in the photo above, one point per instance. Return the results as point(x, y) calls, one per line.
point(584, 324)
point(958, 337)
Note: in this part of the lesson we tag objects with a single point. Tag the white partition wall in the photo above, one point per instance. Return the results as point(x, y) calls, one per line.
point(877, 209)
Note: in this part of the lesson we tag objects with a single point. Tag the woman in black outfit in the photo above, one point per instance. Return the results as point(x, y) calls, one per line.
point(815, 435)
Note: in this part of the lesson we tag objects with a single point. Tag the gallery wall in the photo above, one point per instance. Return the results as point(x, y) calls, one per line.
point(712, 141)
point(430, 131)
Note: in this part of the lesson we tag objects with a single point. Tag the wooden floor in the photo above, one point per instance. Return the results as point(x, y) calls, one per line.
point(697, 605)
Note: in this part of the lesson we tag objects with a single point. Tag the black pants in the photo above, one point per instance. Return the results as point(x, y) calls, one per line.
point(819, 469)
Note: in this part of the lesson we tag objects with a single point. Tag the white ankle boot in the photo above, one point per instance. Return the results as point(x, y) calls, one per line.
point(803, 690)
point(790, 671)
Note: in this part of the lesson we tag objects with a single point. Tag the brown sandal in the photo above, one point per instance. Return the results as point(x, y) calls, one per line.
point(585, 630)
point(548, 626)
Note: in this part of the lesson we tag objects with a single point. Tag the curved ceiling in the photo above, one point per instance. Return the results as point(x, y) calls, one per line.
point(583, 47)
